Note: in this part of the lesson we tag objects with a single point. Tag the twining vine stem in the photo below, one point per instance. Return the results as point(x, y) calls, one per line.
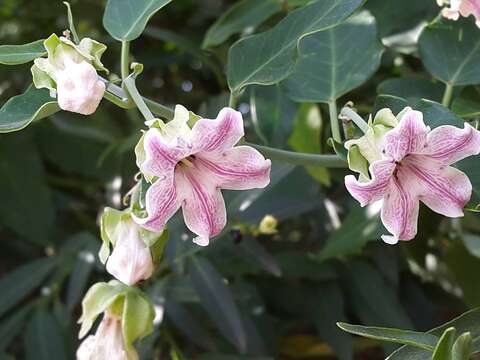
point(447, 95)
point(332, 109)
point(349, 113)
point(117, 95)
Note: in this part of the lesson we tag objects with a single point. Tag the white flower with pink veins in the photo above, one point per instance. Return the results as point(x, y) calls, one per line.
point(191, 166)
point(107, 343)
point(416, 166)
point(460, 7)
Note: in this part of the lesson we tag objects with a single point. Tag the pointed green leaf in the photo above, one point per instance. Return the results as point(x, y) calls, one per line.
point(269, 57)
point(43, 338)
point(242, 15)
point(329, 66)
point(126, 19)
point(451, 51)
point(217, 301)
point(21, 110)
point(443, 350)
point(462, 348)
point(397, 336)
point(21, 54)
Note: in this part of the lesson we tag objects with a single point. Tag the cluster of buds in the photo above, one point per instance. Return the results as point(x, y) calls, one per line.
point(402, 162)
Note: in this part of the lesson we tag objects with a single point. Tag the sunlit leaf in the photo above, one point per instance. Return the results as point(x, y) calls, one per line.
point(21, 54)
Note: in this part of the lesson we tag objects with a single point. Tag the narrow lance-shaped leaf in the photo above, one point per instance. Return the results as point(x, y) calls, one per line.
point(21, 54)
point(43, 338)
point(462, 348)
point(126, 19)
point(397, 336)
point(443, 350)
point(335, 61)
point(269, 57)
point(21, 110)
point(218, 301)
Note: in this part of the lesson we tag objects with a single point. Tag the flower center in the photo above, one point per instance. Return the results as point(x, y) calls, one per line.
point(188, 161)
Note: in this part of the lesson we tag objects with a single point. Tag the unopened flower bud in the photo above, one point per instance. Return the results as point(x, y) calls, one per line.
point(268, 225)
point(131, 260)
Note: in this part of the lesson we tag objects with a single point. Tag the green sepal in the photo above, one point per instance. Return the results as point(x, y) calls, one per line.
point(357, 162)
point(108, 227)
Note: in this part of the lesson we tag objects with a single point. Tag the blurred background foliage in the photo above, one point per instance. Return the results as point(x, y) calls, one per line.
point(267, 296)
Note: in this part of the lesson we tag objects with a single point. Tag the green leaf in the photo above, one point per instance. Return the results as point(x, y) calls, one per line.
point(462, 348)
point(137, 318)
point(329, 66)
point(43, 338)
point(467, 322)
point(472, 243)
point(21, 110)
point(435, 114)
point(467, 104)
point(357, 229)
point(71, 23)
point(12, 326)
point(272, 114)
point(217, 300)
point(412, 88)
point(23, 187)
point(306, 138)
point(21, 54)
point(443, 350)
point(269, 57)
point(240, 16)
point(451, 51)
point(397, 336)
point(21, 282)
point(125, 20)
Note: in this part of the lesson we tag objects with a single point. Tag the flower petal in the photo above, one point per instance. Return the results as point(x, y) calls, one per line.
point(219, 134)
point(162, 201)
point(373, 190)
point(399, 212)
point(161, 156)
point(450, 144)
point(408, 137)
point(239, 168)
point(470, 7)
point(443, 189)
point(203, 206)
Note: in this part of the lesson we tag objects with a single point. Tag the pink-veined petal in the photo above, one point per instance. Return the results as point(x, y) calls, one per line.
point(160, 156)
point(219, 134)
point(443, 189)
point(373, 190)
point(399, 212)
point(239, 168)
point(408, 137)
point(203, 206)
point(470, 7)
point(450, 144)
point(162, 201)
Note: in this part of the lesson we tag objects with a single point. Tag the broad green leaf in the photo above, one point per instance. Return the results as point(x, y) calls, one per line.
point(411, 88)
point(16, 285)
point(217, 300)
point(358, 228)
point(328, 309)
point(244, 14)
point(272, 114)
point(451, 51)
point(21, 54)
point(21, 110)
point(443, 350)
point(43, 338)
point(23, 187)
point(397, 336)
point(306, 137)
point(462, 348)
point(467, 322)
point(394, 103)
point(472, 243)
point(467, 104)
point(329, 66)
point(269, 57)
point(126, 19)
point(435, 114)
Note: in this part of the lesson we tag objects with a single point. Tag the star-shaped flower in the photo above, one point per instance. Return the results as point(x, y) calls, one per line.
point(416, 167)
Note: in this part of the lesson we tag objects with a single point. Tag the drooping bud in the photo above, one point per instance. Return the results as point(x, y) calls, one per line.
point(128, 316)
point(70, 73)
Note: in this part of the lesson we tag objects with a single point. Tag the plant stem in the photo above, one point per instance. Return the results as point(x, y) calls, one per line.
point(332, 109)
point(292, 157)
point(232, 102)
point(357, 119)
point(129, 84)
point(447, 95)
point(125, 55)
point(159, 109)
